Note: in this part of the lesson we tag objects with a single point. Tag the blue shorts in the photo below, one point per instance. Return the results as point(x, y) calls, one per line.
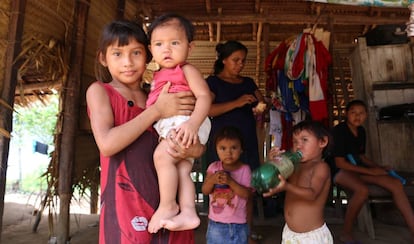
point(219, 233)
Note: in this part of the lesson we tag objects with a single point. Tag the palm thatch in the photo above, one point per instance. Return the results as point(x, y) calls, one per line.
point(43, 69)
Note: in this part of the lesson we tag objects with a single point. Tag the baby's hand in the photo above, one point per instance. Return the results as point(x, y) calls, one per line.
point(188, 133)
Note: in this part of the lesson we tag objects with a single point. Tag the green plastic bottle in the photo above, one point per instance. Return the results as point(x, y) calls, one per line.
point(266, 176)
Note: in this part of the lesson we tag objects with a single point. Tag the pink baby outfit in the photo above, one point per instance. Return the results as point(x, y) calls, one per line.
point(178, 83)
point(174, 75)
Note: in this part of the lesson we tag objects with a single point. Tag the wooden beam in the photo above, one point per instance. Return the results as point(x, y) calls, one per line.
point(70, 117)
point(14, 39)
point(295, 19)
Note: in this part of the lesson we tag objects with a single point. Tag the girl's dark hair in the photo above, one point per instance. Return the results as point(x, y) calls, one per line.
point(223, 51)
point(229, 132)
point(118, 31)
point(320, 132)
point(355, 103)
point(163, 19)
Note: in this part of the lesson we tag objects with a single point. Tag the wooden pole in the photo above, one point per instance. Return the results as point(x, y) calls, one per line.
point(218, 36)
point(258, 50)
point(120, 10)
point(210, 25)
point(71, 102)
point(94, 195)
point(331, 79)
point(17, 8)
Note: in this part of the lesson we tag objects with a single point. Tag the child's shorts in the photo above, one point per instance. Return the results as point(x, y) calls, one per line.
point(163, 126)
point(321, 235)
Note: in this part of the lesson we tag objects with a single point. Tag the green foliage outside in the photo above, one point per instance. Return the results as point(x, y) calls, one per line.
point(34, 182)
point(36, 120)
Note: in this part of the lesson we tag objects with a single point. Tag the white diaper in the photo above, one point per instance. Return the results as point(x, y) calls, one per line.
point(163, 126)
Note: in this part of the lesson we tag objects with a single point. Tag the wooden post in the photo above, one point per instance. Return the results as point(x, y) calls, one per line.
point(210, 24)
point(120, 9)
point(331, 79)
point(14, 39)
point(71, 102)
point(218, 36)
point(94, 199)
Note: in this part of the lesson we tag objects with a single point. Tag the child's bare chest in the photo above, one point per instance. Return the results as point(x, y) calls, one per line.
point(302, 177)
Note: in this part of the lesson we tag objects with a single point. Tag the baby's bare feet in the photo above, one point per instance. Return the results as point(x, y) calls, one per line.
point(162, 213)
point(185, 220)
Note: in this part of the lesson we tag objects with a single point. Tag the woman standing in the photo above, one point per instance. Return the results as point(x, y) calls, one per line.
point(235, 100)
point(235, 103)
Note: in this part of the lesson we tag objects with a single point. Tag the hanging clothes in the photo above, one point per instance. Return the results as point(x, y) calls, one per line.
point(297, 77)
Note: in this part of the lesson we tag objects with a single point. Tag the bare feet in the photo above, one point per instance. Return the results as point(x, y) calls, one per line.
point(185, 220)
point(162, 213)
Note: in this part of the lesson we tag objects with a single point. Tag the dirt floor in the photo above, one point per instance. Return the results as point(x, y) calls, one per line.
point(18, 221)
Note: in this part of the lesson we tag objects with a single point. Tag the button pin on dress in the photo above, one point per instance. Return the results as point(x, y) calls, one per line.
point(130, 103)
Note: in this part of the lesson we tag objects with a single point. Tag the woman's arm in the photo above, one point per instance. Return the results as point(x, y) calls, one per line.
point(259, 96)
point(367, 161)
point(221, 108)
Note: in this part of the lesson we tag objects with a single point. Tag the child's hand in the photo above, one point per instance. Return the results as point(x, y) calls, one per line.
point(275, 152)
point(226, 178)
point(222, 177)
point(279, 188)
point(188, 133)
